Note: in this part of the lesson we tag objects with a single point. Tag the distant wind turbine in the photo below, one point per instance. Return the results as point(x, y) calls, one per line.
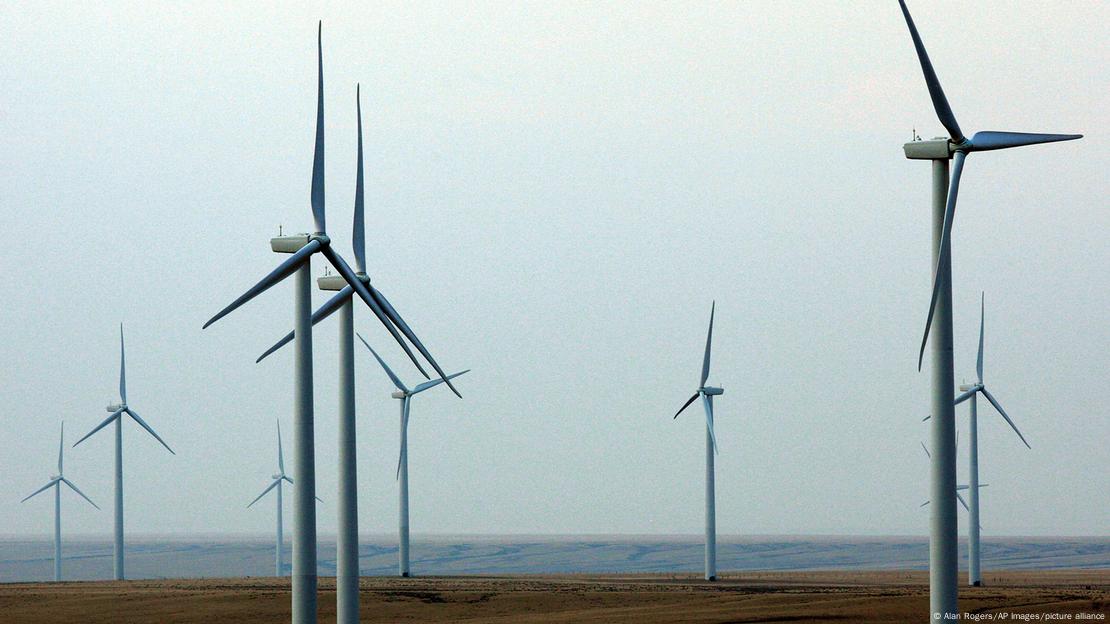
point(971, 392)
point(279, 561)
point(118, 411)
point(56, 482)
point(405, 396)
point(944, 532)
point(707, 393)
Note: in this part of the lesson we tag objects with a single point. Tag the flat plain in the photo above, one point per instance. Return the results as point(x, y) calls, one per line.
point(814, 597)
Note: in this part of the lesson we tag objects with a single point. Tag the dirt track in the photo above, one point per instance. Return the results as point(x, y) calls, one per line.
point(749, 597)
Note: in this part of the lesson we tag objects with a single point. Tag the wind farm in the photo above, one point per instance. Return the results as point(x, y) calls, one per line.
point(549, 195)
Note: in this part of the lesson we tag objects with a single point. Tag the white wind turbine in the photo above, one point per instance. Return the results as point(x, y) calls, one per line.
point(971, 392)
point(405, 396)
point(707, 393)
point(278, 478)
point(118, 410)
point(346, 541)
point(56, 482)
point(303, 247)
point(944, 532)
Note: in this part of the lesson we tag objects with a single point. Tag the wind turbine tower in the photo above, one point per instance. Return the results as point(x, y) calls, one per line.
point(707, 393)
point(943, 530)
point(118, 410)
point(56, 482)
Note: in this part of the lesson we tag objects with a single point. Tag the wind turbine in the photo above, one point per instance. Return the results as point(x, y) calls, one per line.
point(56, 482)
point(302, 247)
point(971, 392)
point(405, 396)
point(118, 410)
point(277, 482)
point(707, 393)
point(943, 557)
point(346, 564)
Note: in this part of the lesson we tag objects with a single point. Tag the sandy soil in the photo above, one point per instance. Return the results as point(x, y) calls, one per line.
point(748, 597)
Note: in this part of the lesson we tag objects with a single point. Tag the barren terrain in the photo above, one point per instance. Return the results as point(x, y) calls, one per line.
point(832, 596)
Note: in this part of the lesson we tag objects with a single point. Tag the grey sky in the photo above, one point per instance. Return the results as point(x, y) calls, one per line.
point(555, 192)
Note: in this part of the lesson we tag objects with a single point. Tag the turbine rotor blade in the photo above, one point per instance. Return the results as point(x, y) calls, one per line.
point(396, 381)
point(52, 483)
point(143, 424)
point(708, 346)
point(940, 103)
point(982, 315)
point(707, 400)
point(358, 230)
point(989, 140)
point(281, 456)
point(287, 479)
point(122, 368)
point(963, 502)
point(1001, 411)
point(107, 420)
point(945, 254)
point(407, 331)
point(686, 404)
point(353, 280)
point(79, 492)
point(435, 382)
point(318, 152)
point(284, 270)
point(926, 449)
point(61, 445)
point(324, 312)
point(404, 436)
point(265, 492)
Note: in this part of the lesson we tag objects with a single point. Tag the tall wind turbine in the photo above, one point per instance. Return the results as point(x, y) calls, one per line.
point(971, 392)
point(346, 565)
point(56, 482)
point(279, 560)
point(302, 247)
point(943, 558)
point(707, 393)
point(118, 411)
point(405, 396)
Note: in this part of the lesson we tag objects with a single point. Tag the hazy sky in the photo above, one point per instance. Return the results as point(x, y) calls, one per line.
point(555, 193)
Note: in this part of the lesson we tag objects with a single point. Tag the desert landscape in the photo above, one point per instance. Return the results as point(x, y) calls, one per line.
point(830, 596)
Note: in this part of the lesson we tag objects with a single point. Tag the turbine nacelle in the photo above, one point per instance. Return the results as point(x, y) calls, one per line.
point(398, 394)
point(116, 407)
point(55, 477)
point(970, 387)
point(711, 391)
point(276, 476)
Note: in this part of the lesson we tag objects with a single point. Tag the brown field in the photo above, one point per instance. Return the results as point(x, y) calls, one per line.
point(748, 597)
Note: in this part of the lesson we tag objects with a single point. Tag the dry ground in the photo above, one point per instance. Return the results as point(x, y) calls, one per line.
point(748, 597)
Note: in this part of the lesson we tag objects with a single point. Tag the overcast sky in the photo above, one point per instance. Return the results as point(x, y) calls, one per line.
point(555, 194)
